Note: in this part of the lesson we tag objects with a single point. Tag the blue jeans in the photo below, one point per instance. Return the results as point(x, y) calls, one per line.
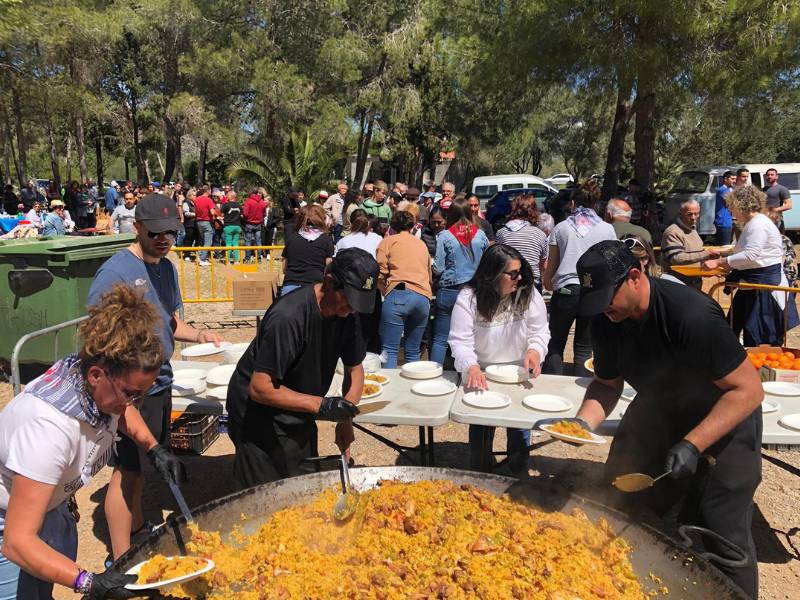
point(60, 532)
point(405, 314)
point(289, 287)
point(252, 237)
point(480, 458)
point(443, 308)
point(206, 234)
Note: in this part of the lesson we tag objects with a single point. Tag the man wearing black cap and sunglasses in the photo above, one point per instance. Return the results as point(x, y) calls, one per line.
point(278, 391)
point(697, 396)
point(143, 265)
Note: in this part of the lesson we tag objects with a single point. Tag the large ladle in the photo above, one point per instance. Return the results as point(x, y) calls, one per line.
point(636, 482)
point(346, 504)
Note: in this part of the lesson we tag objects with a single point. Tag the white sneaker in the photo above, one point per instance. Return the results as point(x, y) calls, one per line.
point(204, 263)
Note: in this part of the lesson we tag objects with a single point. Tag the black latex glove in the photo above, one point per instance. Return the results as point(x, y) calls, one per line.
point(111, 584)
point(336, 408)
point(554, 420)
point(167, 464)
point(682, 460)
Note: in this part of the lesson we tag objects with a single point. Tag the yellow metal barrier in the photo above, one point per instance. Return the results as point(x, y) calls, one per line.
point(208, 276)
point(742, 285)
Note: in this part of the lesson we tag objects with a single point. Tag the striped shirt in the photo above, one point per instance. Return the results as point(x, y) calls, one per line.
point(528, 240)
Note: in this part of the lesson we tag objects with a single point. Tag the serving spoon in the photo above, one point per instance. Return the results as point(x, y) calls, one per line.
point(346, 504)
point(636, 482)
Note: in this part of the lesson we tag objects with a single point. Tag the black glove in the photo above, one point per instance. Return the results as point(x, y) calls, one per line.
point(167, 464)
point(554, 420)
point(111, 584)
point(682, 460)
point(336, 408)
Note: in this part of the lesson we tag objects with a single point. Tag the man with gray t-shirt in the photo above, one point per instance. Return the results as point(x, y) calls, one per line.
point(779, 200)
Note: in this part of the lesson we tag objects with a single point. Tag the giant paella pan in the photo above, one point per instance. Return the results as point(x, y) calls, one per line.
point(658, 565)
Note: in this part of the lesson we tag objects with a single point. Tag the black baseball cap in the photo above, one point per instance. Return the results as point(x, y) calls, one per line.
point(357, 272)
point(600, 271)
point(158, 213)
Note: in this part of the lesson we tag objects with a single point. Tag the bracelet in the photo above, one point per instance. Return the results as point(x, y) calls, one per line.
point(83, 582)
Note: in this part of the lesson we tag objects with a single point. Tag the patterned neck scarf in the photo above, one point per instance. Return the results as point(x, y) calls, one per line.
point(63, 387)
point(583, 220)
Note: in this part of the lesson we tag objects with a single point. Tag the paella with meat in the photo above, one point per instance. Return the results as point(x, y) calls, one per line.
point(428, 539)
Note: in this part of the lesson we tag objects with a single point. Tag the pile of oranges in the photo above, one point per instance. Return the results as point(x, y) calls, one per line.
point(776, 360)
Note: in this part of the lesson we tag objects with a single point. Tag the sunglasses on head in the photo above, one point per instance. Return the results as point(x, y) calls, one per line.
point(632, 242)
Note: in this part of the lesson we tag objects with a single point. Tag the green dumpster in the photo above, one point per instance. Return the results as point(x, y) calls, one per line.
point(44, 282)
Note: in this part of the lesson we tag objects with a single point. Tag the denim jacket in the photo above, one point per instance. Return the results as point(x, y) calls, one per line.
point(453, 261)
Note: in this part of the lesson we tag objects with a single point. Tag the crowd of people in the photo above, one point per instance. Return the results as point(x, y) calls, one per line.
point(399, 270)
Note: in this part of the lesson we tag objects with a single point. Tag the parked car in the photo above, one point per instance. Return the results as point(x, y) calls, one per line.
point(486, 186)
point(499, 206)
point(701, 184)
point(560, 179)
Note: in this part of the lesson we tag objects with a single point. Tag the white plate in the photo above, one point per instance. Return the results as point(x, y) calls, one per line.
point(374, 395)
point(421, 369)
point(781, 388)
point(218, 393)
point(790, 421)
point(596, 439)
point(589, 364)
point(188, 387)
point(158, 584)
point(547, 402)
point(770, 406)
point(433, 387)
point(628, 393)
point(232, 355)
point(189, 374)
point(220, 375)
point(386, 378)
point(205, 349)
point(486, 399)
point(507, 373)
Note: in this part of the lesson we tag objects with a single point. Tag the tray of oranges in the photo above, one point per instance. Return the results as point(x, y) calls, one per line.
point(777, 360)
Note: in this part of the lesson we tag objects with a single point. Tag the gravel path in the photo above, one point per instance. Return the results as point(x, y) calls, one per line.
point(776, 521)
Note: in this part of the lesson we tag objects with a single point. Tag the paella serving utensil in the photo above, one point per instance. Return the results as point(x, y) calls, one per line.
point(636, 482)
point(346, 504)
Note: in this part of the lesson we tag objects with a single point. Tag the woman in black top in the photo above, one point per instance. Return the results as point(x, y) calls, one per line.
point(433, 227)
point(232, 221)
point(308, 250)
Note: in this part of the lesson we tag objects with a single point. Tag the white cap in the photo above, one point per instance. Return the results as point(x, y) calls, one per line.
point(114, 184)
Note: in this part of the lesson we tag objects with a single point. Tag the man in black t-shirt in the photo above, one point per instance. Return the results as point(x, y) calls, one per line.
point(779, 200)
point(696, 394)
point(278, 390)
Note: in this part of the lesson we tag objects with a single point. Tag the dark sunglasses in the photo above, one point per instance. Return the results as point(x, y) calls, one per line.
point(168, 234)
point(515, 274)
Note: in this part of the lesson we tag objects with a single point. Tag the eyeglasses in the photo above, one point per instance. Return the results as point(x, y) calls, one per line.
point(167, 234)
point(515, 274)
point(129, 400)
point(632, 242)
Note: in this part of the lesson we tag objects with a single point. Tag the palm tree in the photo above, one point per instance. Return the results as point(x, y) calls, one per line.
point(302, 165)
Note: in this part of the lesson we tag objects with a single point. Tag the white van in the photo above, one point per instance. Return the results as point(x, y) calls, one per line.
point(487, 186)
point(701, 185)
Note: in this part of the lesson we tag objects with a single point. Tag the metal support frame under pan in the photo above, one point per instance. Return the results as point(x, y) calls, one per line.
point(685, 573)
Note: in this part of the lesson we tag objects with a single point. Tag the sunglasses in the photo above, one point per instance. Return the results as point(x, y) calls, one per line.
point(129, 400)
point(515, 274)
point(167, 234)
point(632, 242)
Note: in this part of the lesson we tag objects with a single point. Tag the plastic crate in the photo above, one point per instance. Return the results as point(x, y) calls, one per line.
point(195, 435)
point(223, 423)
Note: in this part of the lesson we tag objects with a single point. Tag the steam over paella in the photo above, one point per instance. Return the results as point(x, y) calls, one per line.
point(429, 539)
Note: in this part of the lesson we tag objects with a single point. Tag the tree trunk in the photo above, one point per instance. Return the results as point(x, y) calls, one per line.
point(201, 166)
point(68, 158)
point(363, 155)
point(22, 144)
point(51, 142)
point(98, 159)
point(616, 145)
point(644, 135)
point(142, 176)
point(80, 146)
point(9, 147)
point(171, 151)
point(127, 170)
point(178, 158)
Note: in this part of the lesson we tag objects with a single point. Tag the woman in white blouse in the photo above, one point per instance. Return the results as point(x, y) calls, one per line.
point(499, 317)
point(757, 258)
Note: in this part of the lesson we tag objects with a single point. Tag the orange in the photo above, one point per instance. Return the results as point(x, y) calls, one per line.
point(796, 365)
point(761, 355)
point(789, 355)
point(773, 356)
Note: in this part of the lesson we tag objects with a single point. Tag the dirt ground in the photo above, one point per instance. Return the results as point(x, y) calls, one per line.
point(776, 525)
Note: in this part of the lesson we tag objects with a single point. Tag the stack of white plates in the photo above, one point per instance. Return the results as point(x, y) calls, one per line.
point(421, 369)
point(232, 355)
point(188, 387)
point(507, 373)
point(220, 375)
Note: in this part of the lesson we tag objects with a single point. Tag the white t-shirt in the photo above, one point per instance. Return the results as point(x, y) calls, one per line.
point(505, 339)
point(759, 245)
point(366, 241)
point(41, 443)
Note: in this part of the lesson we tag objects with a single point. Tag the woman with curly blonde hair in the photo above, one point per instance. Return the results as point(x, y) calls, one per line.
point(58, 433)
point(757, 258)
